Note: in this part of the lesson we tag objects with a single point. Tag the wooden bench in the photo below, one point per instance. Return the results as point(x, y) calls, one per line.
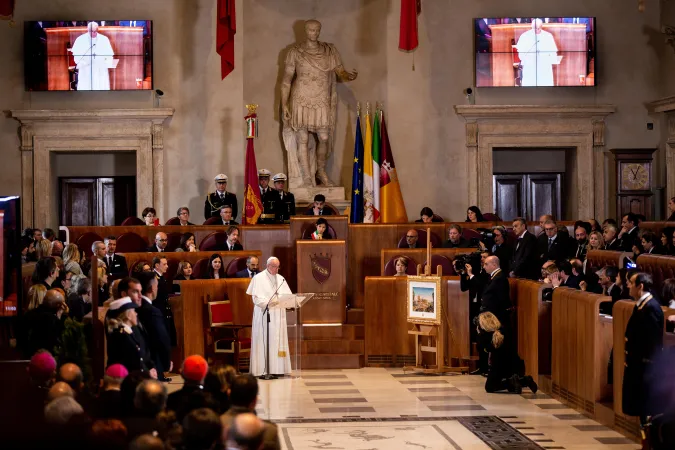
point(387, 343)
point(533, 317)
point(659, 267)
point(597, 259)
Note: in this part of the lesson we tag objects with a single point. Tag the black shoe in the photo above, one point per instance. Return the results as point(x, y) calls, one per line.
point(478, 371)
point(529, 382)
point(514, 385)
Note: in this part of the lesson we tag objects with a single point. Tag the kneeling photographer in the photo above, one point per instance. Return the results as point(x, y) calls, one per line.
point(473, 279)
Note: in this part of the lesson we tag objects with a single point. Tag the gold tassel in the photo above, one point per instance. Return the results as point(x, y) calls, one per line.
point(413, 61)
point(281, 353)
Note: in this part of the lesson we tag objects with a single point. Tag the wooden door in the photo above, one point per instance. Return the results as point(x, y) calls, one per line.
point(97, 201)
point(527, 195)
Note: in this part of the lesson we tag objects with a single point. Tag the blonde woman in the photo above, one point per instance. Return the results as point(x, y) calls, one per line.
point(125, 343)
point(36, 294)
point(71, 258)
point(103, 286)
point(596, 241)
point(43, 248)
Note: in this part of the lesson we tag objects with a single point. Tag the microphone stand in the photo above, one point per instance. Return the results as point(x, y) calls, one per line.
point(267, 375)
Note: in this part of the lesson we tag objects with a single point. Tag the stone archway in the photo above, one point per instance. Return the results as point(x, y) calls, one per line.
point(102, 130)
point(519, 126)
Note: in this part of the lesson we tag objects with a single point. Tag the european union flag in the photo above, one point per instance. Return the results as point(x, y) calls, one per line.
point(357, 177)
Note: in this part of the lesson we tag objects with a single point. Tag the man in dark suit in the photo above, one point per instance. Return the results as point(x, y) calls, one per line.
point(226, 215)
point(644, 342)
point(183, 215)
point(502, 249)
point(580, 247)
point(455, 238)
point(496, 296)
point(630, 233)
point(609, 236)
point(551, 245)
point(475, 284)
point(608, 282)
point(568, 275)
point(161, 301)
point(216, 200)
point(232, 243)
point(161, 240)
point(524, 263)
point(251, 269)
point(318, 207)
point(117, 264)
point(153, 322)
point(411, 240)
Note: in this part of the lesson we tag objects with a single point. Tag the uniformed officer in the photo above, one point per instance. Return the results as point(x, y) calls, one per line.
point(279, 201)
point(644, 341)
point(125, 343)
point(216, 200)
point(264, 181)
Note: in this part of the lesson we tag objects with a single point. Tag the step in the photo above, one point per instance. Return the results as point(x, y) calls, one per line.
point(356, 316)
point(332, 361)
point(344, 332)
point(332, 346)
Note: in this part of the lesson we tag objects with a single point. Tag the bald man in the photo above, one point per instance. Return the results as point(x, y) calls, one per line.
point(246, 432)
point(60, 389)
point(72, 375)
point(411, 240)
point(160, 243)
point(496, 295)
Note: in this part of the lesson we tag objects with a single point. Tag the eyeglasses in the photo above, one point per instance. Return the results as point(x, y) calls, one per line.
point(549, 229)
point(410, 237)
point(162, 240)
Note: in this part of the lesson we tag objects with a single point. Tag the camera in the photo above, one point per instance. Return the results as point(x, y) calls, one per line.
point(473, 259)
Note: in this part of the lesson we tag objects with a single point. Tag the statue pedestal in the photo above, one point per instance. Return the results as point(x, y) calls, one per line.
point(334, 195)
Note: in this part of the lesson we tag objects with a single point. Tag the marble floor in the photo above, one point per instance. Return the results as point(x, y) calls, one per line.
point(373, 408)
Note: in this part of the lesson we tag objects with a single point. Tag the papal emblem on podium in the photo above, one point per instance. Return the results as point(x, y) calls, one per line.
point(320, 267)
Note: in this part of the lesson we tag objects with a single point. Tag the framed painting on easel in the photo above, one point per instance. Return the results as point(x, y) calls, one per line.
point(424, 300)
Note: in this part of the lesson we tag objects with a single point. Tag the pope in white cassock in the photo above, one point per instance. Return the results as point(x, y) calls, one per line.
point(537, 52)
point(262, 288)
point(93, 56)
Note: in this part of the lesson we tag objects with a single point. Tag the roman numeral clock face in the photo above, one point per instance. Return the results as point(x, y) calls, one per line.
point(635, 176)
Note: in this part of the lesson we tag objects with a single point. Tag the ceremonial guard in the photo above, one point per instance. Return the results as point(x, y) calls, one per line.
point(278, 202)
point(216, 200)
point(125, 342)
point(264, 182)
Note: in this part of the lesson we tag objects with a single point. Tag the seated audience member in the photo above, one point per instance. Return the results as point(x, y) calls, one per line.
point(243, 398)
point(455, 238)
point(61, 410)
point(580, 246)
point(596, 241)
point(37, 234)
point(128, 390)
point(215, 270)
point(44, 325)
point(551, 245)
point(184, 271)
point(321, 230)
point(72, 375)
point(149, 401)
point(183, 215)
point(232, 243)
point(43, 249)
point(108, 434)
point(149, 214)
point(630, 232)
point(318, 207)
point(609, 221)
point(502, 249)
point(27, 251)
point(411, 239)
point(109, 402)
point(567, 276)
point(666, 242)
point(473, 214)
point(218, 382)
point(401, 267)
point(79, 297)
point(187, 243)
point(427, 216)
point(226, 215)
point(591, 283)
point(649, 245)
point(71, 259)
point(192, 395)
point(524, 263)
point(103, 285)
point(144, 268)
point(117, 264)
point(160, 243)
point(548, 269)
point(595, 226)
point(60, 389)
point(125, 342)
point(143, 292)
point(64, 280)
point(202, 430)
point(608, 281)
point(542, 221)
point(251, 270)
point(246, 433)
point(612, 242)
point(36, 294)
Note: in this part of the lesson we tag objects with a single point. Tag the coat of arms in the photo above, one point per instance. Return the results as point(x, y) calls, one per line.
point(320, 267)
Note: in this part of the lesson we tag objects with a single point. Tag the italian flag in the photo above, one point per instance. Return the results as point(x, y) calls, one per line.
point(370, 212)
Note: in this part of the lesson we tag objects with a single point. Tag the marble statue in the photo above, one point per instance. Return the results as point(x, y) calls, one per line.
point(309, 106)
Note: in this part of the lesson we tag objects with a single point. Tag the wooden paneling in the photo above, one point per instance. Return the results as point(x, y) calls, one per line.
point(597, 259)
point(582, 342)
point(188, 310)
point(457, 319)
point(301, 223)
point(544, 195)
point(621, 312)
point(330, 302)
point(127, 43)
point(97, 201)
point(78, 201)
point(419, 255)
point(509, 195)
point(271, 240)
point(533, 325)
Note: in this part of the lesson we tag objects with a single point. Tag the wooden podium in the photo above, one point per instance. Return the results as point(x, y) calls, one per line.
point(321, 269)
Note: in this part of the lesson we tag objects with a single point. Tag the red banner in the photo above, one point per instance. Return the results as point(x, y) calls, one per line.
point(226, 27)
point(6, 9)
point(252, 202)
point(408, 37)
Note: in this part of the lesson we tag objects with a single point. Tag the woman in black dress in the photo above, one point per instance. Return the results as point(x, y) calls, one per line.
point(126, 344)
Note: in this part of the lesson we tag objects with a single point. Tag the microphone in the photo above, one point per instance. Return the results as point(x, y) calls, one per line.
point(275, 293)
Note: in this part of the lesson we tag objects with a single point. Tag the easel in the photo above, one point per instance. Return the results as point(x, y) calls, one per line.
point(431, 338)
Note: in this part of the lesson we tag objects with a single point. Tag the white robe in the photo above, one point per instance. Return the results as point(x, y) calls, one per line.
point(537, 53)
point(261, 289)
point(93, 58)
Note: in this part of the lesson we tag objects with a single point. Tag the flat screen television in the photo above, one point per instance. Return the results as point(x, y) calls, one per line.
point(88, 55)
point(11, 294)
point(535, 51)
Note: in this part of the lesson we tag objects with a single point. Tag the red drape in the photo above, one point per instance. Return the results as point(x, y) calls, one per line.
point(408, 38)
point(6, 9)
point(226, 27)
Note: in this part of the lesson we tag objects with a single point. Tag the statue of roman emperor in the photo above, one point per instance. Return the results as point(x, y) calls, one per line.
point(309, 104)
